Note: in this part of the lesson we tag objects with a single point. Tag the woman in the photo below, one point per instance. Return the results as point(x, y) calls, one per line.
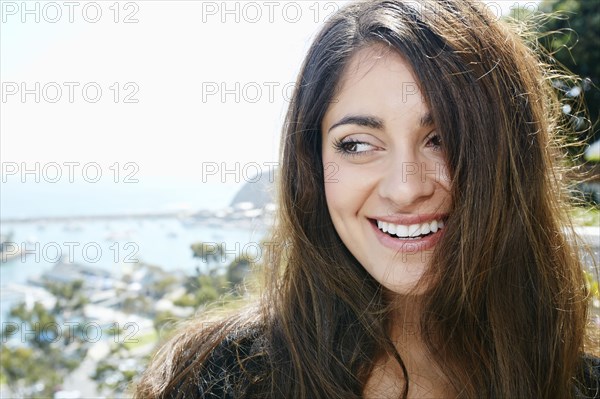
point(421, 247)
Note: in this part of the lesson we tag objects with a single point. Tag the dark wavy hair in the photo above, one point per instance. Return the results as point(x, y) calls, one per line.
point(506, 316)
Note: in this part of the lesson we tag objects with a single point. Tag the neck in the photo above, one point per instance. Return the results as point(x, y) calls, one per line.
point(405, 327)
point(406, 334)
point(426, 378)
point(405, 313)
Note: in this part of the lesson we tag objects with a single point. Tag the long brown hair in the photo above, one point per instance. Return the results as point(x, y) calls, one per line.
point(506, 316)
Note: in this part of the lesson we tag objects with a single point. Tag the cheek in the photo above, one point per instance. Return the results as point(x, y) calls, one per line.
point(347, 186)
point(439, 171)
point(444, 185)
point(340, 192)
point(331, 171)
point(334, 196)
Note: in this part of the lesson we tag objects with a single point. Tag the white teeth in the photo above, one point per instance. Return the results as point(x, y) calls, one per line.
point(391, 228)
point(401, 231)
point(414, 230)
point(434, 226)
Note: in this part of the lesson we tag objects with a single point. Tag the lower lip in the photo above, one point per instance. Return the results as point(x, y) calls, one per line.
point(407, 245)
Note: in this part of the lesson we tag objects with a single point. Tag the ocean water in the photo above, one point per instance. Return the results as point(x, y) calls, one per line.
point(118, 244)
point(23, 197)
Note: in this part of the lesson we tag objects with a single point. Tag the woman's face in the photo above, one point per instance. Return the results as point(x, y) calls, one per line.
point(386, 181)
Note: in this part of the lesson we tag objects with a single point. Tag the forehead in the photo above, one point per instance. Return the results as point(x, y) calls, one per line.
point(376, 81)
point(375, 58)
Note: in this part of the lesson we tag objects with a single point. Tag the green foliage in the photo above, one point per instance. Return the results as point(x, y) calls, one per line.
point(208, 252)
point(38, 322)
point(578, 47)
point(212, 257)
point(164, 322)
point(186, 300)
point(238, 269)
point(117, 371)
point(38, 350)
point(206, 294)
point(572, 35)
point(46, 352)
point(209, 286)
point(138, 305)
point(202, 289)
point(69, 296)
point(586, 216)
point(30, 371)
point(163, 286)
point(148, 338)
point(592, 285)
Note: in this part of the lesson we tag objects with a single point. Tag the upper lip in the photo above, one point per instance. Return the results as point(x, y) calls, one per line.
point(410, 219)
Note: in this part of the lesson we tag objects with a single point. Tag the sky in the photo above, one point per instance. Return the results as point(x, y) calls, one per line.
point(151, 89)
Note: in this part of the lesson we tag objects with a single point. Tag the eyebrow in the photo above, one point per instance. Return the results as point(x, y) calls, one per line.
point(373, 122)
point(359, 120)
point(427, 120)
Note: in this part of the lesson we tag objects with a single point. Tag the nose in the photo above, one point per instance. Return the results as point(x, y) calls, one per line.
point(407, 183)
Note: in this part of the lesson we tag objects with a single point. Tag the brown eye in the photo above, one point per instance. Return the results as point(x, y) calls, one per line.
point(435, 141)
point(351, 147)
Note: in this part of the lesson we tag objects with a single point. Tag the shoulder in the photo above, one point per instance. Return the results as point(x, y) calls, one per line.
point(236, 367)
point(589, 377)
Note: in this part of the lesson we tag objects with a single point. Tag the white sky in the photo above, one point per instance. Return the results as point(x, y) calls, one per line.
point(174, 51)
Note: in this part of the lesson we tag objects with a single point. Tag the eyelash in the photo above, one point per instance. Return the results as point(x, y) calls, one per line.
point(434, 135)
point(341, 147)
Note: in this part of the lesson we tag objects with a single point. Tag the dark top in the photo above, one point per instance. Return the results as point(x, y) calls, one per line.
point(591, 378)
point(233, 368)
point(224, 377)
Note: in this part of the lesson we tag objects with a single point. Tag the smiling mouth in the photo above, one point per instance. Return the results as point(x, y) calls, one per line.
point(409, 232)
